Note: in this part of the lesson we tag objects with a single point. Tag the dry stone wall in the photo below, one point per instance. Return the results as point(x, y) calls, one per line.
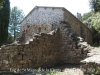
point(45, 49)
point(49, 36)
point(91, 68)
point(91, 64)
point(32, 30)
point(74, 48)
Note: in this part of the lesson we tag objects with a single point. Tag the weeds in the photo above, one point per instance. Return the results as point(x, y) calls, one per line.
point(42, 72)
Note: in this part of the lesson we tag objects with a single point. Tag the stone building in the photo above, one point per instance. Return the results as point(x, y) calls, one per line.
point(46, 19)
point(49, 36)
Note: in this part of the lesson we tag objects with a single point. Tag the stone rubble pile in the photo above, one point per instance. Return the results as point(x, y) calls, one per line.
point(91, 64)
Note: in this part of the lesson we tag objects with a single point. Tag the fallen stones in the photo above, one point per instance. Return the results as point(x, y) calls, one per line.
point(91, 64)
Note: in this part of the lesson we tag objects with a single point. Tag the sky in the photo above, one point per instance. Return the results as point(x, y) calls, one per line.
point(74, 6)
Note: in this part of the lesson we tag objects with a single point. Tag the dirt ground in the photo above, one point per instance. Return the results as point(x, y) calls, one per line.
point(69, 70)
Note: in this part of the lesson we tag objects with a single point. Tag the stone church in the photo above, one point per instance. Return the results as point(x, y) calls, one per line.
point(46, 19)
point(49, 36)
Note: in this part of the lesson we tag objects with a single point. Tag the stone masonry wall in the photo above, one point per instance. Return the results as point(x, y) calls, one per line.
point(81, 29)
point(43, 51)
point(41, 15)
point(74, 48)
point(53, 16)
point(91, 64)
point(32, 30)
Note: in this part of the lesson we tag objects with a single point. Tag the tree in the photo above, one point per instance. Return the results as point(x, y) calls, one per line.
point(95, 5)
point(16, 16)
point(10, 39)
point(87, 18)
point(92, 20)
point(4, 20)
point(1, 3)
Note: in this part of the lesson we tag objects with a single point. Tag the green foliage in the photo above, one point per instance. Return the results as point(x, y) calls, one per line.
point(92, 20)
point(53, 72)
point(39, 69)
point(95, 71)
point(4, 20)
point(16, 16)
point(1, 3)
point(86, 18)
point(95, 5)
point(10, 39)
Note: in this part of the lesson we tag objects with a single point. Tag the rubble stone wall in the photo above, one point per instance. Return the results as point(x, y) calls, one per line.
point(91, 64)
point(42, 15)
point(49, 36)
point(74, 48)
point(81, 29)
point(31, 30)
point(45, 49)
point(53, 16)
point(90, 68)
